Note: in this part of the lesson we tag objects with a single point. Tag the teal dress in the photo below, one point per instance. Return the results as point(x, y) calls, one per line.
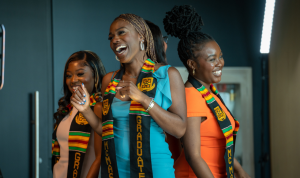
point(162, 163)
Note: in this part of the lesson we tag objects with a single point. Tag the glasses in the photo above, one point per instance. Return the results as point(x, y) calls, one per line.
point(165, 39)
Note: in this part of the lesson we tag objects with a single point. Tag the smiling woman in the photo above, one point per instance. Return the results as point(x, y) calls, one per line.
point(211, 128)
point(141, 101)
point(76, 149)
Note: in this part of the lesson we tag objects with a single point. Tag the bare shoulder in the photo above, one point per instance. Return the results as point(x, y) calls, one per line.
point(174, 74)
point(108, 76)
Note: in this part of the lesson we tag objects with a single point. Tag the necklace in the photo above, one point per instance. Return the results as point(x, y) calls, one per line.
point(131, 76)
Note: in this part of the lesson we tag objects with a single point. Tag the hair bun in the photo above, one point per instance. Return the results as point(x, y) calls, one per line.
point(182, 20)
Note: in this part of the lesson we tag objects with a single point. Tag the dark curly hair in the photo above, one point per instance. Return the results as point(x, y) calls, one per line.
point(91, 59)
point(158, 42)
point(185, 23)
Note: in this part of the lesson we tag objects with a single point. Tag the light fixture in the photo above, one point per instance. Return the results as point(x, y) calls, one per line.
point(267, 27)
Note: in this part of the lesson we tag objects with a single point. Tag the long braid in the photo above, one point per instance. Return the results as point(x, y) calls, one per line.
point(142, 28)
point(185, 23)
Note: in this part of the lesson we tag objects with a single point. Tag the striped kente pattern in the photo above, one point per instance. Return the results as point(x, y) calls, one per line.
point(137, 108)
point(206, 95)
point(148, 66)
point(111, 88)
point(237, 124)
point(55, 148)
point(228, 135)
point(228, 132)
point(78, 141)
point(107, 130)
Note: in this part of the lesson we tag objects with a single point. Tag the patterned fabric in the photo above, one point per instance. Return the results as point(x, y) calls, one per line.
point(139, 121)
point(107, 130)
point(78, 140)
point(223, 122)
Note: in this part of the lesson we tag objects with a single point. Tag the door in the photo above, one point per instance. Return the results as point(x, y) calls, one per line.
point(28, 68)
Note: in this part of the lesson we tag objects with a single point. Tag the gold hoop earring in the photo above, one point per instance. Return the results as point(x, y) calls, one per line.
point(193, 71)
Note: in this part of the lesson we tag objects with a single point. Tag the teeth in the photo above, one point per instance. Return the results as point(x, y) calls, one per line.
point(118, 49)
point(217, 72)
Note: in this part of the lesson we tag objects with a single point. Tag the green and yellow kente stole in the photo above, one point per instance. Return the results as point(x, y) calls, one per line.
point(223, 121)
point(139, 124)
point(79, 136)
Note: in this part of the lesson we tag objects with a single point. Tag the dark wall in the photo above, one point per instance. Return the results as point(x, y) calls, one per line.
point(85, 25)
point(236, 26)
point(28, 68)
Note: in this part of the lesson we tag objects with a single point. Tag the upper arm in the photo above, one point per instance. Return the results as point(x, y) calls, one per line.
point(177, 93)
point(191, 138)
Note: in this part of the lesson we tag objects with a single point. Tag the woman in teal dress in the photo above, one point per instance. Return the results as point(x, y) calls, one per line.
point(141, 101)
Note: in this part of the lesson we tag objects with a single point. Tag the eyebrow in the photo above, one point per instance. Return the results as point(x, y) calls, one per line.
point(117, 30)
point(77, 70)
point(210, 56)
point(214, 55)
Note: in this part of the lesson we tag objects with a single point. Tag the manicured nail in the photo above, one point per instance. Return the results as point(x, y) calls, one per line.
point(82, 84)
point(84, 100)
point(84, 95)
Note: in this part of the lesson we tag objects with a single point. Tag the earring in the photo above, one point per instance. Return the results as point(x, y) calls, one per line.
point(193, 71)
point(142, 45)
point(117, 58)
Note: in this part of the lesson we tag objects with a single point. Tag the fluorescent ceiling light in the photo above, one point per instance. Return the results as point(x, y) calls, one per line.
point(267, 27)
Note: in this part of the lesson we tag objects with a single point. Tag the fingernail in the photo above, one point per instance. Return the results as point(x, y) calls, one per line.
point(82, 84)
point(84, 100)
point(84, 95)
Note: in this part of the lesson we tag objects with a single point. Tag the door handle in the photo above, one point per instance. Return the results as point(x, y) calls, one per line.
point(2, 57)
point(37, 133)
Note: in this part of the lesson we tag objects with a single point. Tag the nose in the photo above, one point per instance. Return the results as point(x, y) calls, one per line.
point(74, 79)
point(219, 62)
point(115, 40)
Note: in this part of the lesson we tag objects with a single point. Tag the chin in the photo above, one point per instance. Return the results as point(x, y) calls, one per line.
point(217, 80)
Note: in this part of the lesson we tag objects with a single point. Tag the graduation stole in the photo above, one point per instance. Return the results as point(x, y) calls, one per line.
point(223, 121)
point(139, 125)
point(79, 136)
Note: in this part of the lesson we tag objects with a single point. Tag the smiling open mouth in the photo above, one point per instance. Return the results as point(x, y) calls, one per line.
point(121, 49)
point(217, 73)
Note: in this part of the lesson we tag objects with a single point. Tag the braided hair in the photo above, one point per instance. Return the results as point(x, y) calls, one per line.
point(142, 28)
point(185, 23)
point(90, 59)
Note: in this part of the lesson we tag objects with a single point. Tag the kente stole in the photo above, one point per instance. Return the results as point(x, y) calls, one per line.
point(223, 121)
point(139, 125)
point(79, 135)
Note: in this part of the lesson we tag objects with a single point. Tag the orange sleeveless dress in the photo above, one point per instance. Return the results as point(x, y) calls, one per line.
point(212, 139)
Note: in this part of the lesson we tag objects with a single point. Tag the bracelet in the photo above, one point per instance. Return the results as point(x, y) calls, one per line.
point(151, 104)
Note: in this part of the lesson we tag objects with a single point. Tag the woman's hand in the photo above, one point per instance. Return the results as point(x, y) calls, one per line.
point(239, 172)
point(128, 88)
point(80, 99)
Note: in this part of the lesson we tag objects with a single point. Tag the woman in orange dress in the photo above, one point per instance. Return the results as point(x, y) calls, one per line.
point(208, 144)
